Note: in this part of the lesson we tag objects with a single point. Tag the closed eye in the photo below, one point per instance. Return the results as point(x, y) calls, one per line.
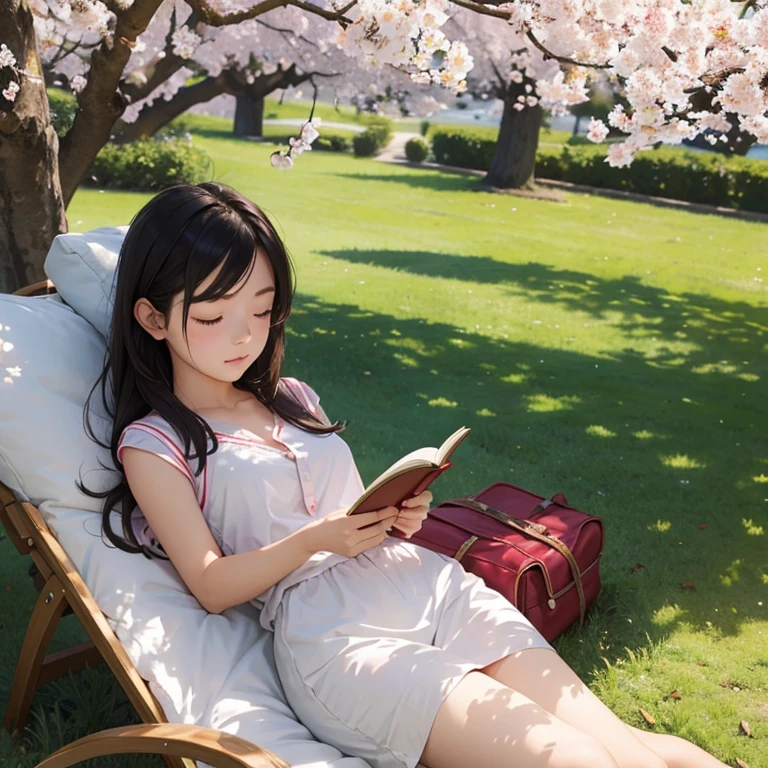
point(215, 320)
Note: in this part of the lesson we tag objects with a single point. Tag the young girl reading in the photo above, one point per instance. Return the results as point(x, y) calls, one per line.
point(386, 650)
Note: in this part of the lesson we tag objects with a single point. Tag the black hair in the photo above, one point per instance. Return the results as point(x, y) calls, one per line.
point(172, 245)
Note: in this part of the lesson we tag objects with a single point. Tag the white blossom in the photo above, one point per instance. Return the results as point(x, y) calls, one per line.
point(7, 59)
point(10, 92)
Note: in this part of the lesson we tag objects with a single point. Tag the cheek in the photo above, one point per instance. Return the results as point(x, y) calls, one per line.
point(203, 337)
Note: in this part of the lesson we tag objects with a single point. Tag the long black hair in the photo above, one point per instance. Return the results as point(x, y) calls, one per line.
point(172, 245)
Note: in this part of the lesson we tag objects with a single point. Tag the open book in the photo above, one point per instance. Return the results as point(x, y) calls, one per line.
point(408, 476)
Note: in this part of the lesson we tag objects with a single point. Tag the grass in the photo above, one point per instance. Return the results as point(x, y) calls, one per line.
point(610, 350)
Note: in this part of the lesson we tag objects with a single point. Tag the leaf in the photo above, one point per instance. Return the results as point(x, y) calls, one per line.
point(636, 567)
point(744, 726)
point(741, 763)
point(702, 526)
point(647, 716)
point(675, 695)
point(702, 663)
point(688, 585)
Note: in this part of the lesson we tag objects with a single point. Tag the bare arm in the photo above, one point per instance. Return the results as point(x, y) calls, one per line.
point(167, 500)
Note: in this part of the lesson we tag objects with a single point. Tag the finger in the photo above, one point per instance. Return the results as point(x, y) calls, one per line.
point(407, 528)
point(368, 544)
point(412, 514)
point(368, 518)
point(424, 498)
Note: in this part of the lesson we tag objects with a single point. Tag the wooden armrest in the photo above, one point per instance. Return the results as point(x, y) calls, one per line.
point(217, 748)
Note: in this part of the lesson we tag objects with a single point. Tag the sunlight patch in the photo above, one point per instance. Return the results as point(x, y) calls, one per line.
point(645, 434)
point(681, 461)
point(662, 526)
point(751, 528)
point(760, 479)
point(722, 367)
point(597, 431)
point(484, 412)
point(731, 574)
point(750, 377)
point(515, 378)
point(441, 402)
point(406, 360)
point(546, 404)
point(667, 614)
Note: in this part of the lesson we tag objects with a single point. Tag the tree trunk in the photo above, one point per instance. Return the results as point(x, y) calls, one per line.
point(515, 156)
point(160, 112)
point(31, 201)
point(249, 117)
point(577, 125)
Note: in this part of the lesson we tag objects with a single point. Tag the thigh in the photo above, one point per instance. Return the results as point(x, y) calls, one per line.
point(483, 722)
point(551, 683)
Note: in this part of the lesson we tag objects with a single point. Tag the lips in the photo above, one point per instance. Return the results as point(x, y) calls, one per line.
point(237, 359)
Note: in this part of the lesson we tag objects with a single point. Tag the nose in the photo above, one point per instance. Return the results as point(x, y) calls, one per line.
point(242, 331)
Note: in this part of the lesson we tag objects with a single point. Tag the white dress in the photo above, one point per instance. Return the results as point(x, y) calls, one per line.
point(367, 648)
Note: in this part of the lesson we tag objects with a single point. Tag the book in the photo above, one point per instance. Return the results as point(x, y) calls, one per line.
point(408, 476)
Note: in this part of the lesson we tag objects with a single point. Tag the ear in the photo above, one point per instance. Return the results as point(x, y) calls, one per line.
point(152, 321)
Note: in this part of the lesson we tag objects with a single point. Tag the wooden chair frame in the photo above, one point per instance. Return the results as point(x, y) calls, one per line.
point(62, 590)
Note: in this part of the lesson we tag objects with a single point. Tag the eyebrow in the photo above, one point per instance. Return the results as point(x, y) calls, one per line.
point(228, 296)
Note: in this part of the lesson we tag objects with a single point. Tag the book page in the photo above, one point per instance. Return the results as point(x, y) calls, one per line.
point(450, 445)
point(421, 457)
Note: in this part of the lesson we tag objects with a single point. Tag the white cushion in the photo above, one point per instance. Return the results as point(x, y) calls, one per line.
point(214, 670)
point(82, 267)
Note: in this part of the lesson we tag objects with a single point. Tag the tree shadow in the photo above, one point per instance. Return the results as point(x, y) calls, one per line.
point(437, 181)
point(686, 527)
point(704, 333)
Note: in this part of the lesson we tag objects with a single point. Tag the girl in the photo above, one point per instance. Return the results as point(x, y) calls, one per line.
point(386, 650)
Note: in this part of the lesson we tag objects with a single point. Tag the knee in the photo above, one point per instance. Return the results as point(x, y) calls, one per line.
point(589, 753)
point(642, 758)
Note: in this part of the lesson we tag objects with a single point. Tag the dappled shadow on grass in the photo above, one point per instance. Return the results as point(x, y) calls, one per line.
point(616, 439)
point(422, 179)
point(702, 333)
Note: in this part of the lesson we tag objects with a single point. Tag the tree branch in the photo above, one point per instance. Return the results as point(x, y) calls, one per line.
point(486, 11)
point(101, 103)
point(216, 19)
point(143, 81)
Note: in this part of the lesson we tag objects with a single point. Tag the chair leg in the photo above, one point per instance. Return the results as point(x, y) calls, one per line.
point(45, 617)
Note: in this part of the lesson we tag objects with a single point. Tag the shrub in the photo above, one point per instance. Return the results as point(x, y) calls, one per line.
point(149, 164)
point(63, 106)
point(381, 128)
point(331, 144)
point(365, 144)
point(467, 148)
point(416, 150)
point(424, 127)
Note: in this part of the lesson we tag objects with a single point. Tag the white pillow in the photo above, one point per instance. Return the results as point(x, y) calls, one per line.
point(82, 267)
point(214, 670)
point(49, 359)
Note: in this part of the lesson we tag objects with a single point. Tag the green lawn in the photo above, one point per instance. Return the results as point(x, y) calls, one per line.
point(610, 350)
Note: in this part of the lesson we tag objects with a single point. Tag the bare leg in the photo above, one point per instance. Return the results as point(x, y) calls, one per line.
point(484, 723)
point(677, 752)
point(545, 678)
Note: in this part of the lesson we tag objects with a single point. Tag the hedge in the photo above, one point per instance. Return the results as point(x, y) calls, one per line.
point(149, 164)
point(673, 172)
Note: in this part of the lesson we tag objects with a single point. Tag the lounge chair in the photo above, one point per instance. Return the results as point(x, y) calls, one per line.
point(204, 685)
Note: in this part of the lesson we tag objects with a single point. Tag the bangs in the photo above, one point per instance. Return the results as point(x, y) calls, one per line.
point(221, 241)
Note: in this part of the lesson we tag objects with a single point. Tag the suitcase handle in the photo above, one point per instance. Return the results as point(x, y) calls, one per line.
point(535, 531)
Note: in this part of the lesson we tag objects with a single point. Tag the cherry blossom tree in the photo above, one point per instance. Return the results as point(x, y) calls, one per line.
point(684, 66)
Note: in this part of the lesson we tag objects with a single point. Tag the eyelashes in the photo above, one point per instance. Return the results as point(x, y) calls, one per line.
point(215, 320)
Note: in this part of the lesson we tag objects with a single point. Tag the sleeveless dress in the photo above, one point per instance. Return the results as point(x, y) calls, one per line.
point(366, 648)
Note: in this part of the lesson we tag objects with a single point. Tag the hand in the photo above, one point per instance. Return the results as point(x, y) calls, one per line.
point(412, 514)
point(349, 535)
